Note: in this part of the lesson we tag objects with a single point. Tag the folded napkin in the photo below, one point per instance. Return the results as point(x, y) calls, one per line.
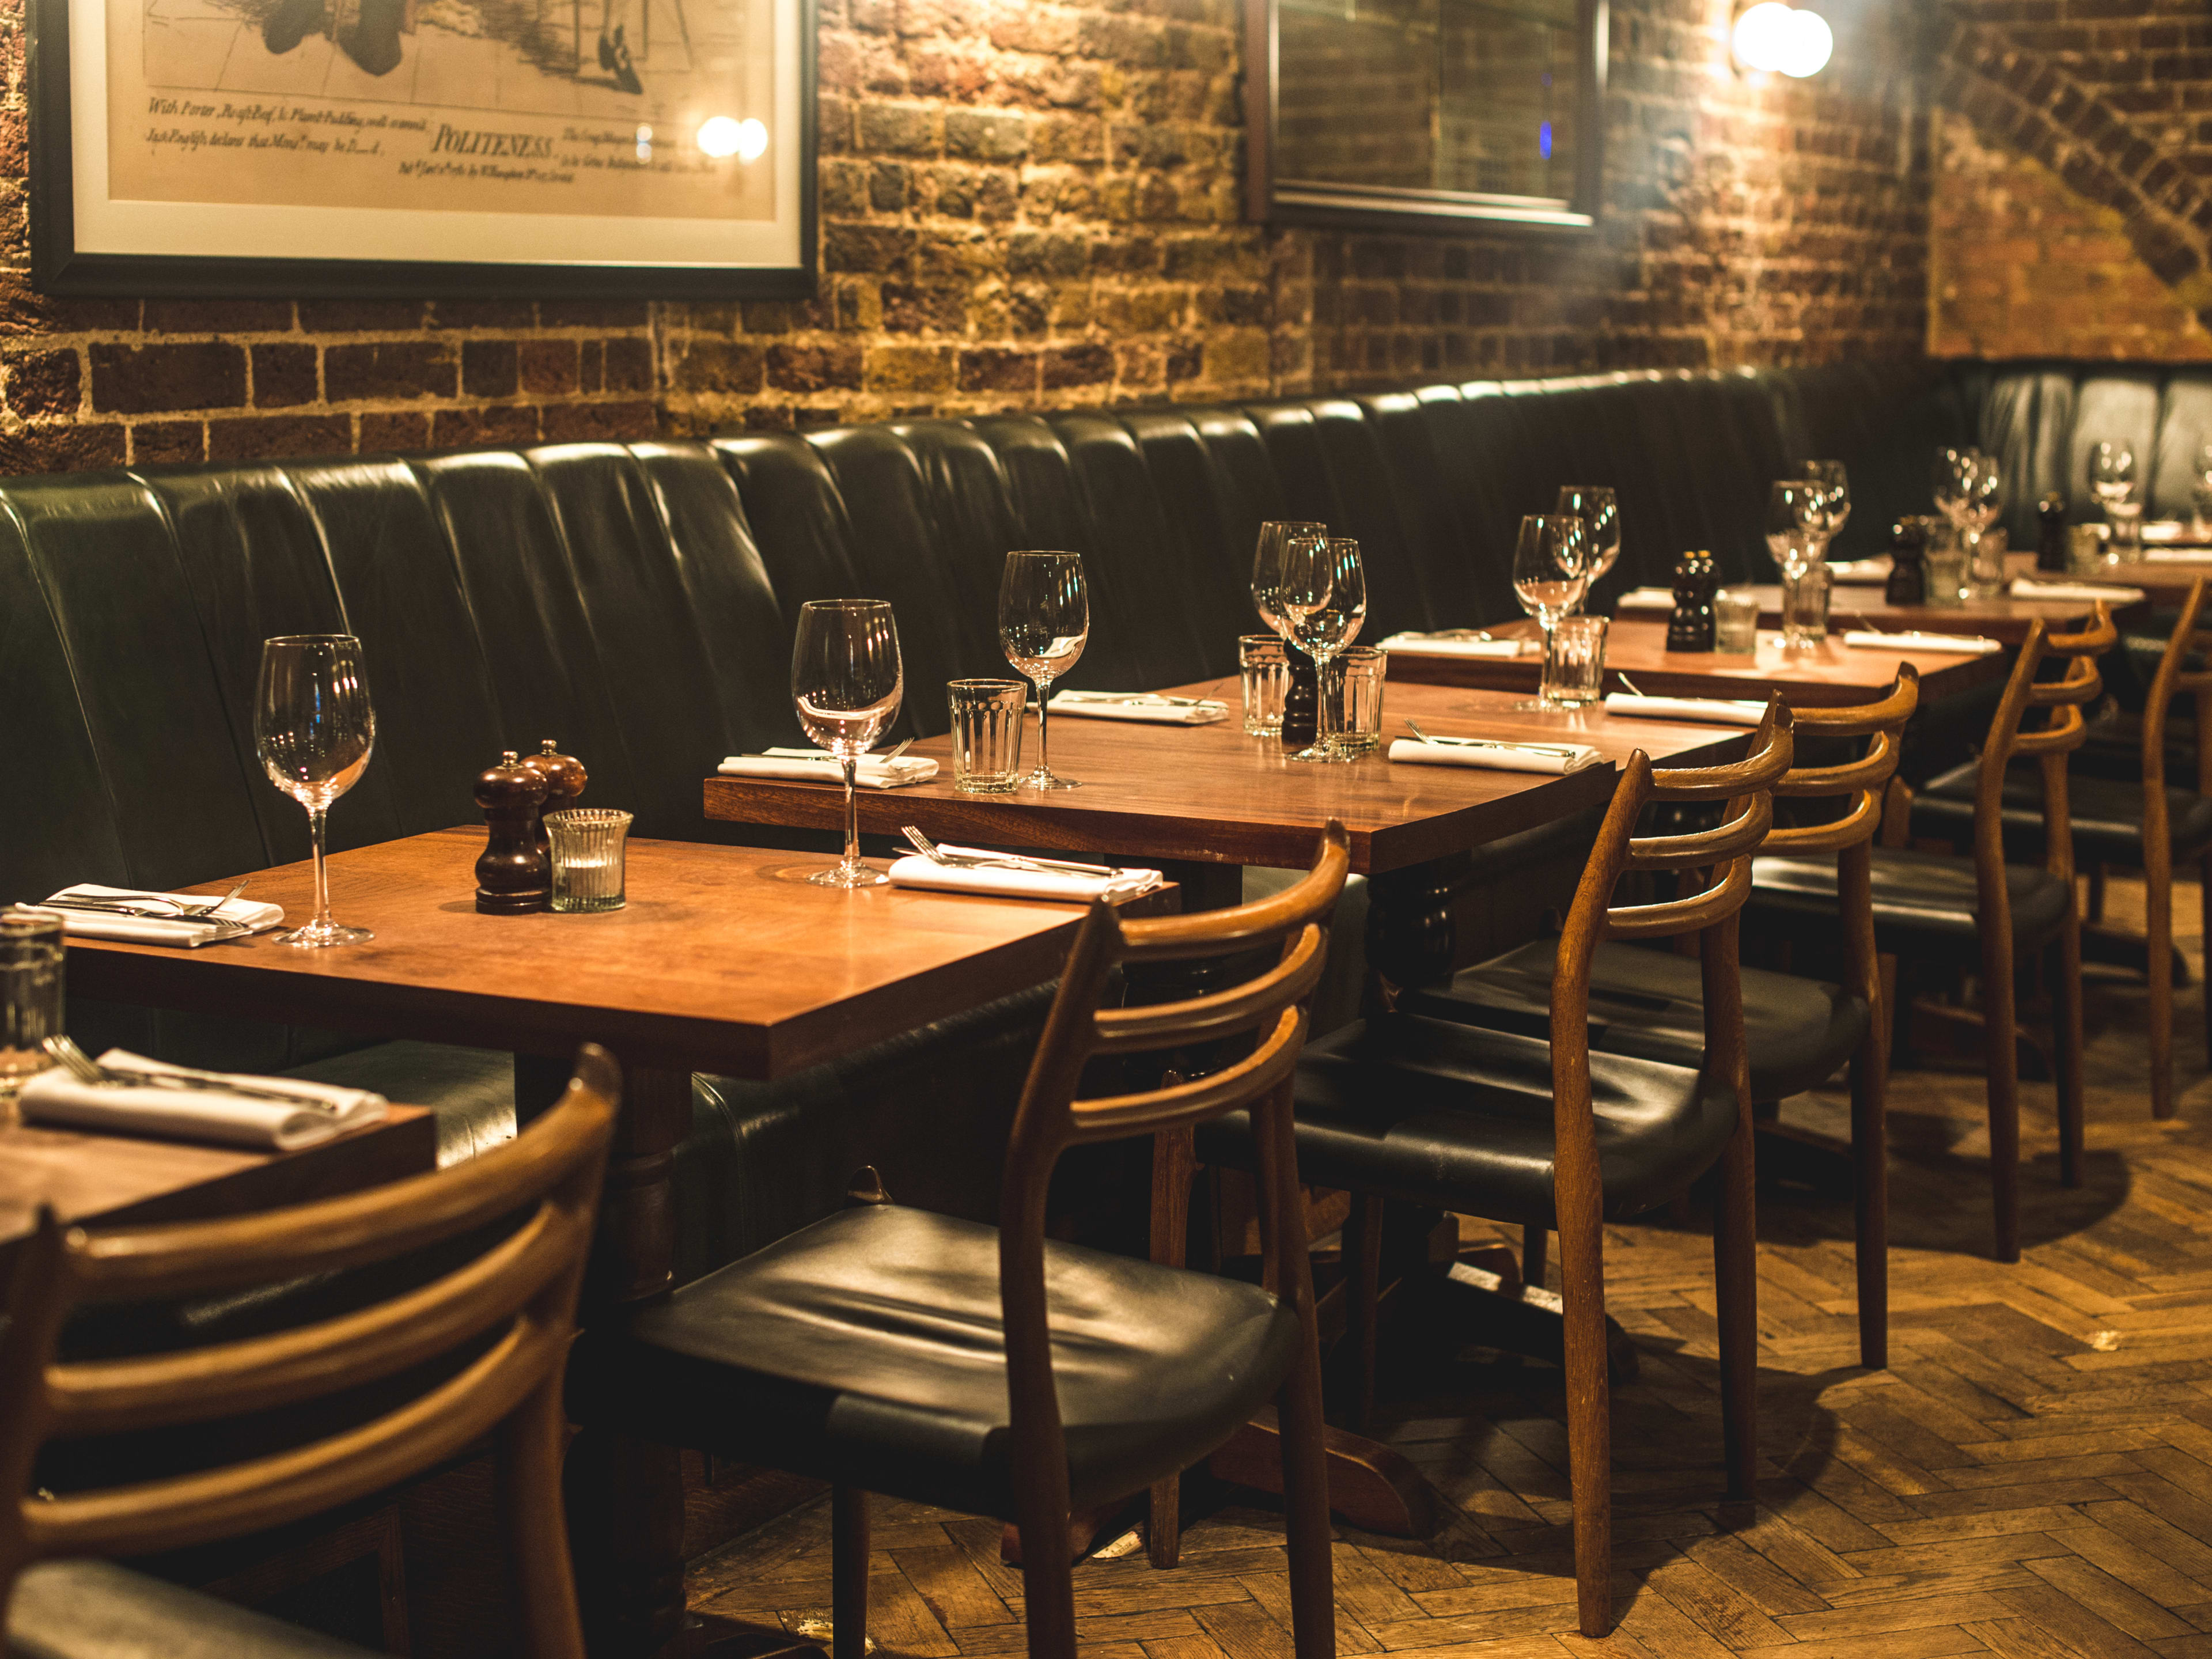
point(815, 765)
point(2081, 592)
point(1711, 711)
point(1858, 571)
point(1966, 644)
point(2170, 530)
point(155, 928)
point(2179, 556)
point(1009, 880)
point(1495, 756)
point(316, 1111)
point(1140, 706)
point(1646, 599)
point(1455, 644)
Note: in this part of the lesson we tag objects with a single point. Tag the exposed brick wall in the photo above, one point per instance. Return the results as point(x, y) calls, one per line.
point(1030, 204)
point(2073, 210)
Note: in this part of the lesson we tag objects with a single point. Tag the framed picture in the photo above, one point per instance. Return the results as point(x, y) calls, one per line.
point(1411, 114)
point(433, 148)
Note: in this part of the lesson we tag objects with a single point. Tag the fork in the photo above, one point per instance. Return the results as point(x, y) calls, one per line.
point(82, 1066)
point(1489, 743)
point(936, 854)
point(199, 918)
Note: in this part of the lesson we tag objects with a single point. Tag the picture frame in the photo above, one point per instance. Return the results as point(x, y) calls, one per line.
point(1284, 186)
point(363, 149)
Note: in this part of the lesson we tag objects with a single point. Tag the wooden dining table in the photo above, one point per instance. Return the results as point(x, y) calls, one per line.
point(2165, 572)
point(1862, 605)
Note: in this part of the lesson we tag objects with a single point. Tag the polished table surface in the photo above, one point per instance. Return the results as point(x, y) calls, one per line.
point(726, 959)
point(1830, 675)
point(1861, 605)
point(2164, 580)
point(1209, 794)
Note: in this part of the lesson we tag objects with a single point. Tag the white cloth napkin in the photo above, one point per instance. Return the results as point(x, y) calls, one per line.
point(815, 765)
point(1454, 645)
point(2084, 592)
point(1709, 711)
point(1007, 881)
point(1147, 705)
point(168, 1113)
point(1496, 756)
point(1856, 572)
point(2179, 556)
point(2168, 530)
point(1964, 644)
point(1646, 599)
point(157, 929)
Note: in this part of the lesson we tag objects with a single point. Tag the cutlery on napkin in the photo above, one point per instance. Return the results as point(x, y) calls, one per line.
point(1965, 644)
point(178, 1104)
point(1854, 572)
point(1646, 599)
point(2086, 592)
point(817, 766)
point(1712, 711)
point(1007, 875)
point(132, 915)
point(1558, 758)
point(1455, 642)
point(1140, 706)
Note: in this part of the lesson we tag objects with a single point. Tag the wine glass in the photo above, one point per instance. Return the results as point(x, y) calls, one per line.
point(2111, 473)
point(1267, 568)
point(313, 730)
point(1795, 509)
point(1599, 512)
point(1323, 594)
point(1955, 471)
point(2200, 492)
point(847, 681)
point(1551, 574)
point(1836, 503)
point(1044, 617)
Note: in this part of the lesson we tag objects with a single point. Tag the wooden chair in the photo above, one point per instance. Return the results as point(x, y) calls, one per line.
point(1798, 1032)
point(998, 1372)
point(492, 1335)
point(1475, 1121)
point(1986, 913)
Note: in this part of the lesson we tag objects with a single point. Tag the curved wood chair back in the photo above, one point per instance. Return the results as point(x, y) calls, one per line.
point(1863, 783)
point(512, 1308)
point(1053, 1116)
point(2172, 678)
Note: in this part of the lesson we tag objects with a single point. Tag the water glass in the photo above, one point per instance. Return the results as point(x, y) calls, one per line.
point(1358, 674)
point(30, 996)
point(1735, 621)
point(1574, 661)
point(1267, 669)
point(2124, 545)
point(1985, 569)
point(1804, 606)
point(588, 845)
point(2085, 549)
point(987, 734)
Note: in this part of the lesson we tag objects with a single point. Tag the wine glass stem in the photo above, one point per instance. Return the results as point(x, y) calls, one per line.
point(852, 812)
point(317, 818)
point(1044, 728)
point(1323, 731)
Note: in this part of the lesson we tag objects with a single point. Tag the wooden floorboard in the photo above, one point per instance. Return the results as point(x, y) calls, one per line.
point(2031, 1478)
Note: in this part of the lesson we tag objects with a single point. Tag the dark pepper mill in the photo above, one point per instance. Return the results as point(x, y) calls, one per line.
point(513, 877)
point(1301, 701)
point(2050, 550)
point(1908, 566)
point(1690, 628)
point(565, 779)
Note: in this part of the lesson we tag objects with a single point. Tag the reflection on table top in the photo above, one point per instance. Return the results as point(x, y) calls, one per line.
point(1854, 605)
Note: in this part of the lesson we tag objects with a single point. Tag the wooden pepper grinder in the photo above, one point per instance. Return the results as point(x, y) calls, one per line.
point(565, 779)
point(1908, 567)
point(1690, 628)
point(1301, 701)
point(2050, 550)
point(513, 877)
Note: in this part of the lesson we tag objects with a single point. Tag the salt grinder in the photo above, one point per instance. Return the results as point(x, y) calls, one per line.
point(1690, 628)
point(513, 878)
point(2051, 549)
point(565, 779)
point(1301, 701)
point(1908, 568)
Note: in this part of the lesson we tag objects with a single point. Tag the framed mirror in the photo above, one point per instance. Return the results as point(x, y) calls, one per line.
point(1419, 114)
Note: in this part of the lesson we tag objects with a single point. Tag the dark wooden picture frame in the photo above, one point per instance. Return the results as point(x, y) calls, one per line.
point(1270, 199)
point(60, 265)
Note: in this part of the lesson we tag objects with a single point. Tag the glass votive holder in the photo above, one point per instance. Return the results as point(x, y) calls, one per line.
point(1265, 663)
point(2124, 545)
point(987, 734)
point(1946, 563)
point(1985, 568)
point(1735, 621)
point(589, 846)
point(1574, 665)
point(1358, 672)
point(2085, 549)
point(31, 956)
point(1804, 606)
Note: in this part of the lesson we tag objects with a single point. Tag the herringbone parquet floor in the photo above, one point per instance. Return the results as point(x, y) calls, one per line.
point(2031, 1477)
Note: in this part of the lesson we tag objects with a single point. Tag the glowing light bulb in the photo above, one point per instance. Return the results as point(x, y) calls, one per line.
point(1763, 34)
point(752, 141)
point(1812, 44)
point(720, 135)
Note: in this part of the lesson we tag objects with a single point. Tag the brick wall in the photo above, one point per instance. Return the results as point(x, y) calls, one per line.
point(1031, 204)
point(2073, 180)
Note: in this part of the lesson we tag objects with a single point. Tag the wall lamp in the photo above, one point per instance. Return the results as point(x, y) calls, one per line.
point(1786, 38)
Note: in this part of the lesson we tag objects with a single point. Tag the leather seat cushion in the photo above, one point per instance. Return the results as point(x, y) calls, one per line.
point(869, 1348)
point(1919, 898)
point(1651, 1005)
point(470, 1090)
point(1459, 1118)
point(2105, 813)
point(97, 1610)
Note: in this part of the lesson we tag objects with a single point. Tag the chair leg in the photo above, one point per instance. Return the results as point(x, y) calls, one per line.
point(2066, 1029)
point(1174, 1164)
point(2158, 935)
point(531, 1442)
point(1736, 1275)
point(1870, 1199)
point(1363, 1238)
point(1589, 1418)
point(1999, 1018)
point(849, 1572)
point(2204, 901)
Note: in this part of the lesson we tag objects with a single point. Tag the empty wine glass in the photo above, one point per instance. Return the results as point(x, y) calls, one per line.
point(313, 729)
point(1323, 594)
point(2200, 492)
point(847, 681)
point(1044, 618)
point(1267, 568)
point(1955, 469)
point(1795, 509)
point(1836, 499)
point(1551, 574)
point(2111, 473)
point(1596, 506)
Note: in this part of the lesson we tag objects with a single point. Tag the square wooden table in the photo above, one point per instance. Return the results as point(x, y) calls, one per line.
point(2166, 580)
point(1861, 605)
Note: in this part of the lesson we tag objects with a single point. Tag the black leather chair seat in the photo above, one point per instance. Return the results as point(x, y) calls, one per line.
point(1441, 1114)
point(868, 1348)
point(1919, 898)
point(2105, 812)
point(1650, 1005)
point(97, 1610)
